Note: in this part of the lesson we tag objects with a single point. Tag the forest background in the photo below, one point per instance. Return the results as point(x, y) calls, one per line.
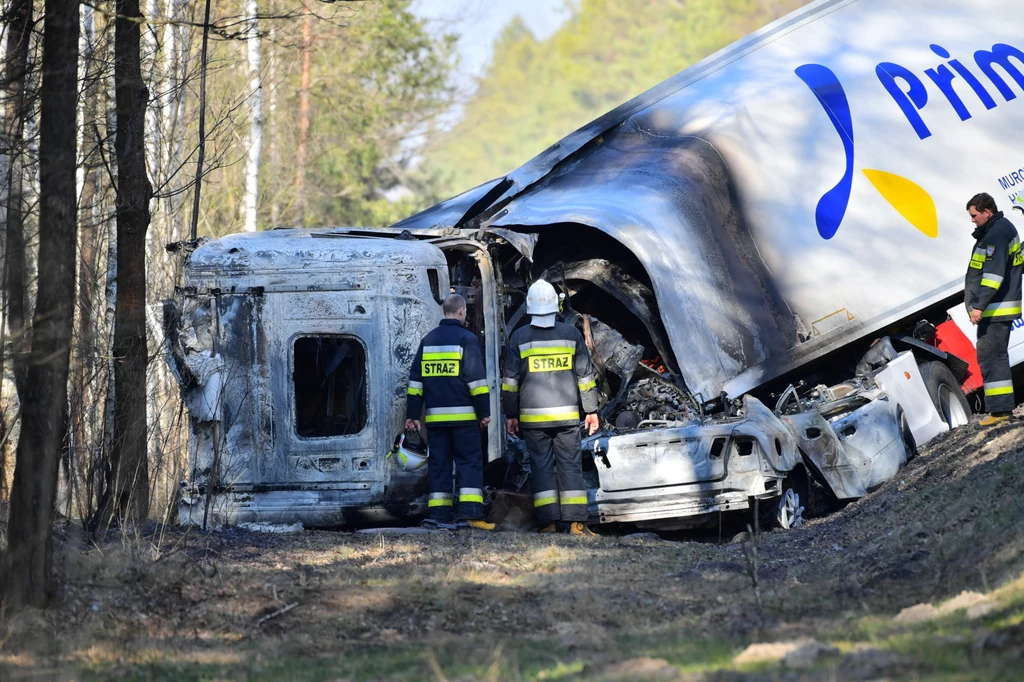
point(129, 126)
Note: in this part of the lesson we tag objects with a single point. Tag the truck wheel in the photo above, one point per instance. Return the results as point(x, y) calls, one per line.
point(946, 395)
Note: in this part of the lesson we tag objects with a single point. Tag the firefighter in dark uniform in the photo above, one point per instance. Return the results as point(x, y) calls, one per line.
point(448, 378)
point(992, 294)
point(547, 373)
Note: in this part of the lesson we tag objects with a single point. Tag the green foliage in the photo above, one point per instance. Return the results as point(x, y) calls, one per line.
point(378, 79)
point(536, 92)
point(375, 89)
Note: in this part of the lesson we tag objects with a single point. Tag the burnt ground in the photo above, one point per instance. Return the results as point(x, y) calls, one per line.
point(921, 580)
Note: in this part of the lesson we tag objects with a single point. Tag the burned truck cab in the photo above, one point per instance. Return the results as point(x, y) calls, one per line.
point(293, 349)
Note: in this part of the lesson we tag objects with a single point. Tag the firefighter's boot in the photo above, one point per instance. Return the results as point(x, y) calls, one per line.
point(479, 524)
point(580, 528)
point(995, 418)
point(549, 528)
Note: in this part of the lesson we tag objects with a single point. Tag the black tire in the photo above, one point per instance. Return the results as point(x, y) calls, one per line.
point(944, 390)
point(908, 436)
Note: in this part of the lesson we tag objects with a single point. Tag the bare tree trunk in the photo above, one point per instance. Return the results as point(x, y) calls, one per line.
point(272, 141)
point(82, 406)
point(300, 152)
point(252, 169)
point(19, 26)
point(202, 123)
point(29, 578)
point(129, 465)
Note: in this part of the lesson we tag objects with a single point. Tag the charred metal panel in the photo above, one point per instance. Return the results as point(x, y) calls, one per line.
point(819, 443)
point(248, 299)
point(670, 200)
point(693, 469)
point(871, 441)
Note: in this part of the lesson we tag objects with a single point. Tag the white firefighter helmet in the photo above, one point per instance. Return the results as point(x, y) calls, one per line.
point(409, 456)
point(541, 299)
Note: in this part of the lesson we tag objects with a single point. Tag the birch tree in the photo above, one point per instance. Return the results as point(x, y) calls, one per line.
point(252, 168)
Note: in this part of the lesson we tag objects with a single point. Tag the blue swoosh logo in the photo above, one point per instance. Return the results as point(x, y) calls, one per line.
point(826, 87)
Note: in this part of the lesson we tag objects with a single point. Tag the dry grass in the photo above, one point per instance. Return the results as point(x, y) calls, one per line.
point(514, 606)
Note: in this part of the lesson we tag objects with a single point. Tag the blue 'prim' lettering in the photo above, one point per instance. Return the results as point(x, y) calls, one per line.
point(909, 102)
point(1000, 55)
point(943, 78)
point(969, 77)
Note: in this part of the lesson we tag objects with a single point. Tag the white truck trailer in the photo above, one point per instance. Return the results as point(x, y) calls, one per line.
point(737, 235)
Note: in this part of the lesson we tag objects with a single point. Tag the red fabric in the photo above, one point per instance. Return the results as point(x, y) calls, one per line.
point(951, 339)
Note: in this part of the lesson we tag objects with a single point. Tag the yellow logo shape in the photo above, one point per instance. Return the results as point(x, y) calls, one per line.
point(908, 198)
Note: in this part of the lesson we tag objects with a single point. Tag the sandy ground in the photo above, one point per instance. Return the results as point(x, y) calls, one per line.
point(920, 580)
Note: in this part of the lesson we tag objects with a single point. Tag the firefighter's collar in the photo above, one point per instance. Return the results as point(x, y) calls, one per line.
point(543, 321)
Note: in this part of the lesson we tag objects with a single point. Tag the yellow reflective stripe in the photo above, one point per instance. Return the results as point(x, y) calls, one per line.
point(541, 501)
point(991, 283)
point(458, 417)
point(999, 387)
point(550, 350)
point(552, 417)
point(588, 385)
point(574, 500)
point(442, 356)
point(471, 498)
point(446, 502)
point(479, 390)
point(1001, 312)
point(511, 388)
point(415, 391)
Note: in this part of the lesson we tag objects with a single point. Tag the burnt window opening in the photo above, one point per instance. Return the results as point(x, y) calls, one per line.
point(329, 379)
point(744, 448)
point(434, 279)
point(464, 276)
point(717, 446)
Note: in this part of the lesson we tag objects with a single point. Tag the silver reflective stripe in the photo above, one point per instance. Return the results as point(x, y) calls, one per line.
point(587, 379)
point(995, 279)
point(476, 384)
point(998, 384)
point(440, 496)
point(542, 411)
point(1003, 305)
point(509, 382)
point(443, 349)
point(450, 410)
point(415, 384)
point(980, 252)
point(557, 343)
point(471, 491)
point(573, 497)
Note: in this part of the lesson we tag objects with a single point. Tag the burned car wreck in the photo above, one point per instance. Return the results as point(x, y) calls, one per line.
point(292, 348)
point(732, 335)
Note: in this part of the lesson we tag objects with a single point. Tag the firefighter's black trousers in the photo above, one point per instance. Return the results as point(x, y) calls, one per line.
point(461, 445)
point(562, 494)
point(993, 339)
